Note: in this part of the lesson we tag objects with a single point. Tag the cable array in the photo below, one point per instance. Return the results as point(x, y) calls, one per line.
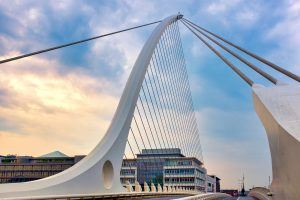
point(199, 31)
point(164, 118)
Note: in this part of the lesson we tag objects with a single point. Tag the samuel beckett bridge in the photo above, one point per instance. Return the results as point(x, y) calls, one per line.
point(155, 117)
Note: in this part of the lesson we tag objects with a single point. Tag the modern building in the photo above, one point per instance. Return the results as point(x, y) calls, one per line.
point(218, 184)
point(213, 183)
point(27, 168)
point(168, 167)
point(128, 171)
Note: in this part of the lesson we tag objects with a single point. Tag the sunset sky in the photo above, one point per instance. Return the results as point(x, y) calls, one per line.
point(64, 100)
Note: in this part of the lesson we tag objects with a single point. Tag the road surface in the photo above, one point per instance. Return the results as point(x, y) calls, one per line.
point(239, 198)
point(231, 198)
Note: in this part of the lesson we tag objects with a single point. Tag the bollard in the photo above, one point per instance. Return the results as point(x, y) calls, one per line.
point(153, 188)
point(159, 189)
point(137, 186)
point(128, 187)
point(146, 187)
point(165, 189)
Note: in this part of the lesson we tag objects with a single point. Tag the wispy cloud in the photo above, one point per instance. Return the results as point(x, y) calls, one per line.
point(285, 34)
point(45, 104)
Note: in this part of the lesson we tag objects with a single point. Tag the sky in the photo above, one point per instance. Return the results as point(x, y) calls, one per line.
point(64, 100)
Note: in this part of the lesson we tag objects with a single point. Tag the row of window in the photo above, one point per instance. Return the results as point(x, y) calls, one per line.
point(33, 167)
point(156, 163)
point(15, 180)
point(200, 181)
point(200, 174)
point(128, 164)
point(27, 174)
point(149, 173)
point(127, 172)
point(179, 171)
point(149, 164)
point(179, 163)
point(180, 180)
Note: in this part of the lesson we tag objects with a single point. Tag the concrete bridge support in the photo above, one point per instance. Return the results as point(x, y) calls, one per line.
point(279, 110)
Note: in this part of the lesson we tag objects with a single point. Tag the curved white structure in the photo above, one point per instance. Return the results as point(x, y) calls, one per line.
point(279, 110)
point(99, 171)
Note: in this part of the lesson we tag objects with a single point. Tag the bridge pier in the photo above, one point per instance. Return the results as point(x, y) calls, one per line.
point(279, 110)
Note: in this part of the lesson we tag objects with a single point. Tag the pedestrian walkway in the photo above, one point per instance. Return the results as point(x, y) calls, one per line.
point(239, 198)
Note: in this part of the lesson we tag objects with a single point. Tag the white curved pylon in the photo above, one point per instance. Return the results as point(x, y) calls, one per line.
point(99, 171)
point(279, 110)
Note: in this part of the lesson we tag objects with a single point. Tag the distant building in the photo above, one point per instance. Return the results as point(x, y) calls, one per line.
point(218, 184)
point(1, 157)
point(27, 168)
point(232, 192)
point(128, 171)
point(167, 167)
point(213, 183)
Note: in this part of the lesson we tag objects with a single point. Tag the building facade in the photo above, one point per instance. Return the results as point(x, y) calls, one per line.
point(128, 171)
point(213, 183)
point(15, 169)
point(168, 167)
point(185, 172)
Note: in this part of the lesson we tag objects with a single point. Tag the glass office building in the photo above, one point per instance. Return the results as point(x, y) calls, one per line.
point(167, 167)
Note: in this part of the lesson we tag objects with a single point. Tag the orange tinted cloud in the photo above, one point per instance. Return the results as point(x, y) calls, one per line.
point(47, 110)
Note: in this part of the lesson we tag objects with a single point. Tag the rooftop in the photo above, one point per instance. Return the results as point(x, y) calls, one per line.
point(168, 152)
point(54, 154)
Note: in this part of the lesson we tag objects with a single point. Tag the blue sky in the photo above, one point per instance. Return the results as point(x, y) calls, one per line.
point(65, 99)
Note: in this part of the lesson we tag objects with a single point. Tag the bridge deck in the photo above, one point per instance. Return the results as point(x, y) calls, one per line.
point(239, 198)
point(133, 195)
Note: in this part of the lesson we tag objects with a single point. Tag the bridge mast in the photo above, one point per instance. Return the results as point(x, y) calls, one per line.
point(99, 171)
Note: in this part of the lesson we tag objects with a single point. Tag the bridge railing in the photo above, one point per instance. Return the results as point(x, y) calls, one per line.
point(126, 195)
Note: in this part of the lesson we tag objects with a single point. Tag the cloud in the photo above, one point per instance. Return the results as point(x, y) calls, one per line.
point(71, 110)
point(285, 34)
point(233, 14)
point(221, 6)
point(48, 99)
point(247, 17)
